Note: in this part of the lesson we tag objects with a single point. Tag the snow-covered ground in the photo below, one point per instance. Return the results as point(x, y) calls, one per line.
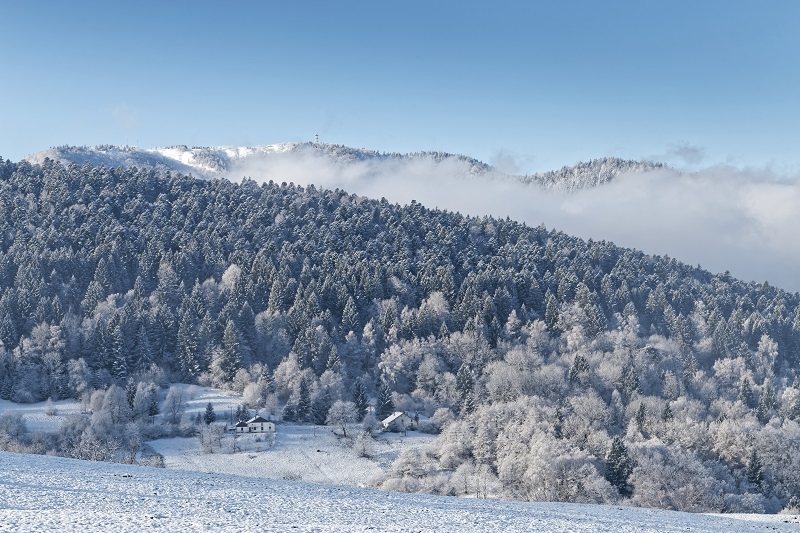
point(248, 489)
point(299, 452)
point(36, 417)
point(39, 493)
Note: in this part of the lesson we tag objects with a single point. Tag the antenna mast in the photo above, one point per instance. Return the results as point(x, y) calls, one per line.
point(316, 138)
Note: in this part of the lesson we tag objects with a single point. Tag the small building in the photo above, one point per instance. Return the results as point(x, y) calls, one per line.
point(258, 424)
point(240, 427)
point(398, 421)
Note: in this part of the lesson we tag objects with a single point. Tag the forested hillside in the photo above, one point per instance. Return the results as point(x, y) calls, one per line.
point(555, 368)
point(588, 174)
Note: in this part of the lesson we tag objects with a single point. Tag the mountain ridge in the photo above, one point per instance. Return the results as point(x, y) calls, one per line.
point(234, 162)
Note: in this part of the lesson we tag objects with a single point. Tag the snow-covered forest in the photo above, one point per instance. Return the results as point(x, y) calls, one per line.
point(553, 368)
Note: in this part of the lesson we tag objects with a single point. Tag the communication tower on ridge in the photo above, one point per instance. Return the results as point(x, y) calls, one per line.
point(316, 138)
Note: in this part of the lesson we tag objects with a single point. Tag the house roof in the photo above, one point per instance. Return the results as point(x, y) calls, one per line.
point(241, 425)
point(394, 416)
point(257, 420)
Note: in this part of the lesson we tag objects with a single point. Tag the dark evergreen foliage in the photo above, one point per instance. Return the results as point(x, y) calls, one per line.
point(619, 466)
point(209, 416)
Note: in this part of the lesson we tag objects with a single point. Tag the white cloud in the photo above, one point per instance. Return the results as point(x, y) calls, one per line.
point(686, 153)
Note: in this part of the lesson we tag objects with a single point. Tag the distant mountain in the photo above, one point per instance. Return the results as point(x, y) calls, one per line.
point(589, 174)
point(213, 162)
point(236, 162)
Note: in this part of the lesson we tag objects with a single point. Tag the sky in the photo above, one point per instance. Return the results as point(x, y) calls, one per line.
point(710, 88)
point(528, 86)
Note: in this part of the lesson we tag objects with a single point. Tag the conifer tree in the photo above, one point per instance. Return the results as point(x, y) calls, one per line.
point(666, 414)
point(746, 393)
point(360, 399)
point(755, 474)
point(385, 405)
point(558, 424)
point(641, 419)
point(210, 416)
point(152, 408)
point(304, 405)
point(320, 408)
point(230, 358)
point(130, 391)
point(551, 313)
point(619, 466)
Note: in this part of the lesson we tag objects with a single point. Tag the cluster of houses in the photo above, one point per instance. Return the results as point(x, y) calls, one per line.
point(397, 421)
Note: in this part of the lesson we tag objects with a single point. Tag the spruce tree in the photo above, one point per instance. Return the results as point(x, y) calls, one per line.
point(746, 393)
point(469, 403)
point(666, 414)
point(641, 419)
point(360, 399)
point(152, 408)
point(551, 313)
point(558, 424)
point(755, 474)
point(464, 383)
point(304, 405)
point(385, 405)
point(210, 416)
point(619, 466)
point(130, 392)
point(319, 411)
point(230, 360)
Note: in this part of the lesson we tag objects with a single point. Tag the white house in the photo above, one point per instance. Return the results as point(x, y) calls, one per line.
point(257, 424)
point(398, 421)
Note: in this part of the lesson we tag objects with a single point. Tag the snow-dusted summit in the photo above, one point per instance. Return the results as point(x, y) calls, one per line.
point(224, 161)
point(236, 162)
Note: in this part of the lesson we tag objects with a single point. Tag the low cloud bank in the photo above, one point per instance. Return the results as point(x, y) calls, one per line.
point(721, 218)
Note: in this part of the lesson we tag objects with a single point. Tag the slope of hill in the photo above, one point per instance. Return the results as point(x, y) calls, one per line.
point(234, 162)
point(49, 493)
point(535, 353)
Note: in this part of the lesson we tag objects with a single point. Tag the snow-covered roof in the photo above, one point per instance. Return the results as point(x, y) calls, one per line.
point(394, 416)
point(257, 420)
point(241, 425)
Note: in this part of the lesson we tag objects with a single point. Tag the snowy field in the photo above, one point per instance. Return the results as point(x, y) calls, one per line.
point(39, 493)
point(300, 453)
point(307, 480)
point(36, 418)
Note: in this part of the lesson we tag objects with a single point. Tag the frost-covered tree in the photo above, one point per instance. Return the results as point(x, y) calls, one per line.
point(341, 414)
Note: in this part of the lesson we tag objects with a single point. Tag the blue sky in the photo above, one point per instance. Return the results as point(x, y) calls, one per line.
point(527, 85)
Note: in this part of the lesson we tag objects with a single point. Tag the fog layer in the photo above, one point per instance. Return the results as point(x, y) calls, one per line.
point(721, 218)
